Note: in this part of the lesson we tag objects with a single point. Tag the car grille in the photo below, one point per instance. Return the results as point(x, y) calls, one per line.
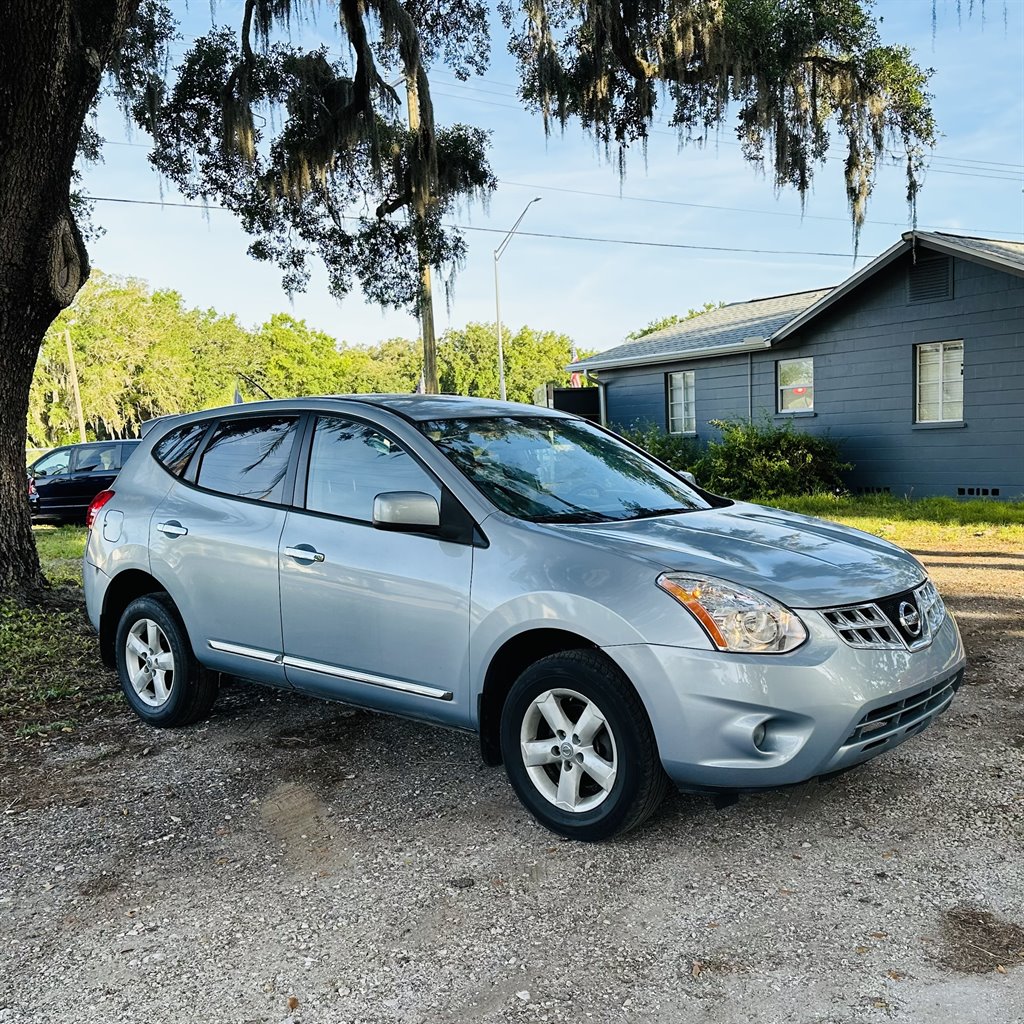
point(912, 713)
point(904, 621)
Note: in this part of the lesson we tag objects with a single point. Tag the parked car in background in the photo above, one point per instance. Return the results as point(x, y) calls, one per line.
point(605, 626)
point(63, 482)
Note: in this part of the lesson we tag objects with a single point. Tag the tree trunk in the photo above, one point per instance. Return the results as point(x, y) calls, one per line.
point(52, 57)
point(426, 303)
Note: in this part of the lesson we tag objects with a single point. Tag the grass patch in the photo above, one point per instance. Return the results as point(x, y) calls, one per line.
point(60, 553)
point(49, 658)
point(50, 666)
point(918, 522)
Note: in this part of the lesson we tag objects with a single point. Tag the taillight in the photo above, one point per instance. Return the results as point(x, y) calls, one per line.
point(94, 507)
point(31, 486)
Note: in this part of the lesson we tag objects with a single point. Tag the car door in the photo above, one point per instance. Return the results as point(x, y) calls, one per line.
point(214, 540)
point(370, 616)
point(51, 477)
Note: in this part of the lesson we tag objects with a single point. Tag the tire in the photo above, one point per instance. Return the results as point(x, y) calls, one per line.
point(160, 676)
point(614, 779)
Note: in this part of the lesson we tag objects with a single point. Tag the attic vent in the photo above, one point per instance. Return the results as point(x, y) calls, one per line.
point(930, 279)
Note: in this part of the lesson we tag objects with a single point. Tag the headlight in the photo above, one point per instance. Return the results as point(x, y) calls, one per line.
point(736, 619)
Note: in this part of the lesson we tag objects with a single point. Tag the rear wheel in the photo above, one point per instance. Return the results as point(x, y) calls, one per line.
point(578, 747)
point(160, 676)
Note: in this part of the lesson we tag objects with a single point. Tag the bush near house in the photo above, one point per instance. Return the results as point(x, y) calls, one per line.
point(761, 461)
point(766, 461)
point(680, 453)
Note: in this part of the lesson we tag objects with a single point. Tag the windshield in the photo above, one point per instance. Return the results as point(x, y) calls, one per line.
point(555, 470)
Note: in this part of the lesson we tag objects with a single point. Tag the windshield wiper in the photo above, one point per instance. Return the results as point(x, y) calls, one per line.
point(650, 513)
point(570, 516)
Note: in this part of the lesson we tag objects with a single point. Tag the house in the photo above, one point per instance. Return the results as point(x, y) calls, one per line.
point(914, 364)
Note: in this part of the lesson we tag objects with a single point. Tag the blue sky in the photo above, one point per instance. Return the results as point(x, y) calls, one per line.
point(597, 292)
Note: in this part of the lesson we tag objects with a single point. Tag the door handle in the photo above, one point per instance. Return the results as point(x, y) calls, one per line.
point(304, 553)
point(172, 529)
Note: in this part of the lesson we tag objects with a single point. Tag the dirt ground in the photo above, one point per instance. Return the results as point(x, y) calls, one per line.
point(295, 861)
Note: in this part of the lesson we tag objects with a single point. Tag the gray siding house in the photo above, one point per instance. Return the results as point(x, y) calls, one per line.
point(915, 365)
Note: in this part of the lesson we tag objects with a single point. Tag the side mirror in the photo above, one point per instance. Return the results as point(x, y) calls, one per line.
point(406, 510)
point(688, 477)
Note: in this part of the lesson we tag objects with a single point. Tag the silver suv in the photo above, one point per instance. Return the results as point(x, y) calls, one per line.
point(603, 625)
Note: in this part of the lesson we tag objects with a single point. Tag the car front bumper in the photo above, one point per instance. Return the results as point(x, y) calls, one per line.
point(823, 708)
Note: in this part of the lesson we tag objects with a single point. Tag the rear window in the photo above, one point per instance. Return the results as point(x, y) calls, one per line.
point(248, 458)
point(175, 451)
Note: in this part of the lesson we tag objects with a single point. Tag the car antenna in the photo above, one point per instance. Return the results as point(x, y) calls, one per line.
point(259, 387)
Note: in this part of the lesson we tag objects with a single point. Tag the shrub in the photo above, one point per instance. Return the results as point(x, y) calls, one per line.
point(681, 453)
point(767, 461)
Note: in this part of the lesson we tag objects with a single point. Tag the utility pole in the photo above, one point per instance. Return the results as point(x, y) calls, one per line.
point(412, 95)
point(74, 385)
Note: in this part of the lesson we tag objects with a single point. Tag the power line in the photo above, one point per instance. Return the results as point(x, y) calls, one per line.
point(688, 205)
point(534, 234)
point(729, 209)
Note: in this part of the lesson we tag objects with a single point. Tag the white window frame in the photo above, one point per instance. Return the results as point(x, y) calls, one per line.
point(951, 372)
point(681, 393)
point(780, 408)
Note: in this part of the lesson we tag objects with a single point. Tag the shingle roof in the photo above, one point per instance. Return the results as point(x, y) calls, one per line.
point(743, 325)
point(711, 332)
point(1011, 252)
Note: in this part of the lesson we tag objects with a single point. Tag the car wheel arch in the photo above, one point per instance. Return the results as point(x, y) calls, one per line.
point(124, 588)
point(509, 661)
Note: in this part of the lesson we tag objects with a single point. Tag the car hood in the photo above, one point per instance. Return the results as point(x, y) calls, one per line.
point(801, 561)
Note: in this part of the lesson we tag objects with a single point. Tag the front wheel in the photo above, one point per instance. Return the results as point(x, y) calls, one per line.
point(579, 749)
point(164, 683)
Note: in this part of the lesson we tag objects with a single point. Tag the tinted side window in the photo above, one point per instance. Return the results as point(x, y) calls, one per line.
point(53, 464)
point(175, 450)
point(351, 463)
point(249, 457)
point(98, 458)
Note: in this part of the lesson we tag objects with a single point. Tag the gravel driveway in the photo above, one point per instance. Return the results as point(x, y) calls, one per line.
point(296, 861)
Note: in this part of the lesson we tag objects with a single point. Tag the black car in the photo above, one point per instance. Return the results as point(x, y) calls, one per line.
point(62, 483)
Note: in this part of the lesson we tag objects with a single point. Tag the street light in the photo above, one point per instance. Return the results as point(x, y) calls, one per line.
point(498, 253)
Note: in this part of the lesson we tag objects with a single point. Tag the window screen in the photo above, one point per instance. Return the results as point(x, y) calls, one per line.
point(682, 406)
point(940, 382)
point(351, 463)
point(248, 458)
point(174, 451)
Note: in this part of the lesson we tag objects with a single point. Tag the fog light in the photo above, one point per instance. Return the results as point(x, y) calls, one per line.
point(757, 736)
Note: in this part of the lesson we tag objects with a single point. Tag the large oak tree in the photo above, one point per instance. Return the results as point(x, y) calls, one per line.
point(312, 151)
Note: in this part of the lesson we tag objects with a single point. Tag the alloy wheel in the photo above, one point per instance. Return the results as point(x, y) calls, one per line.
point(150, 662)
point(569, 750)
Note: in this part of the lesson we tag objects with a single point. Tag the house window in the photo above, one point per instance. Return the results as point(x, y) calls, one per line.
point(796, 384)
point(940, 382)
point(682, 410)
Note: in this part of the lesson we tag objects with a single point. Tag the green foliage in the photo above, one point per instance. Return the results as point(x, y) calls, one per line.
point(798, 75)
point(468, 361)
point(671, 320)
point(336, 177)
point(765, 461)
point(141, 354)
point(680, 453)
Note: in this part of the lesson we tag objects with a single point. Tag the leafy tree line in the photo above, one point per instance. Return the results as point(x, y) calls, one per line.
point(141, 353)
